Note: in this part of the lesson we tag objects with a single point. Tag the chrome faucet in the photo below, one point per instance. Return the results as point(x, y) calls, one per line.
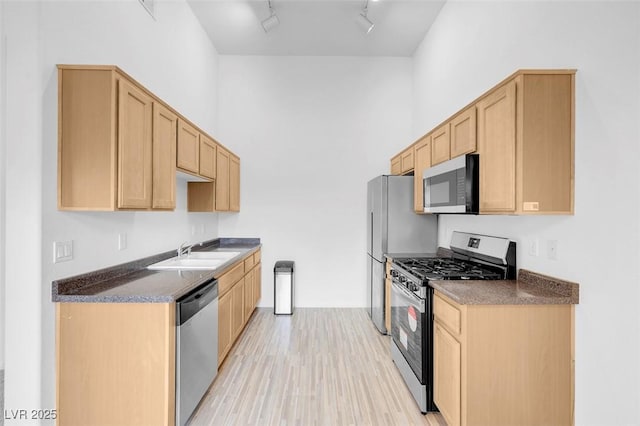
point(185, 248)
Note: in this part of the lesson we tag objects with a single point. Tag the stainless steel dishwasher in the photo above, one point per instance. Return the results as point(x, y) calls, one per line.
point(196, 347)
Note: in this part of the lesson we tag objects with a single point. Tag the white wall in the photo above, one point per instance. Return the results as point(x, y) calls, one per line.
point(311, 131)
point(2, 178)
point(171, 56)
point(474, 45)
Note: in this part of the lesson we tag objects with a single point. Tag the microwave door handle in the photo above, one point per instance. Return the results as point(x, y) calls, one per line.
point(426, 194)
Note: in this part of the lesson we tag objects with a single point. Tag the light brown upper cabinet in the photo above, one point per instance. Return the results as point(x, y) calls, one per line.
point(106, 146)
point(223, 195)
point(188, 147)
point(463, 132)
point(196, 151)
point(135, 111)
point(497, 149)
point(234, 183)
point(523, 131)
point(422, 150)
point(222, 180)
point(526, 145)
point(440, 150)
point(407, 160)
point(396, 165)
point(403, 163)
point(119, 147)
point(164, 157)
point(207, 157)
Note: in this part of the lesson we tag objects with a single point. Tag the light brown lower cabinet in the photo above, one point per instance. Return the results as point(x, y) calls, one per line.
point(115, 363)
point(503, 364)
point(387, 296)
point(257, 284)
point(248, 294)
point(239, 292)
point(224, 326)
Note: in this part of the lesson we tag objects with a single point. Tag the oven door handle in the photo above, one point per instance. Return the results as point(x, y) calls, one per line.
point(413, 299)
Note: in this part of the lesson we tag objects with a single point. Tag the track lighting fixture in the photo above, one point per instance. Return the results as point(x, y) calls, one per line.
point(363, 20)
point(272, 21)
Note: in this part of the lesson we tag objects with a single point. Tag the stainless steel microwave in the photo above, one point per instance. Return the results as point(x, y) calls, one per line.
point(453, 186)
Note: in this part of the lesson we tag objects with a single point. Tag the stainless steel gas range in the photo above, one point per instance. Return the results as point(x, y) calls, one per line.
point(473, 257)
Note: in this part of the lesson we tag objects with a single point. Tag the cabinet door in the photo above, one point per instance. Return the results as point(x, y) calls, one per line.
point(237, 308)
point(396, 165)
point(440, 145)
point(257, 284)
point(188, 147)
point(207, 157)
point(446, 375)
point(222, 180)
point(463, 132)
point(497, 149)
point(422, 160)
point(134, 147)
point(123, 353)
point(406, 160)
point(248, 294)
point(234, 183)
point(224, 326)
point(164, 157)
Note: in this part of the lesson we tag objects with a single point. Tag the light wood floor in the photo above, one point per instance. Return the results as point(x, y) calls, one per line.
point(317, 367)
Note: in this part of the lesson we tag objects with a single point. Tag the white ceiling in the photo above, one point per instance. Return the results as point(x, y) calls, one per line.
point(316, 27)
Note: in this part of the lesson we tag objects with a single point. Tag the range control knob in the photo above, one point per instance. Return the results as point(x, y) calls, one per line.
point(403, 279)
point(394, 273)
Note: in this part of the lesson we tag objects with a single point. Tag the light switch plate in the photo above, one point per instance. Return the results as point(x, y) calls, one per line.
point(122, 241)
point(552, 249)
point(533, 247)
point(62, 251)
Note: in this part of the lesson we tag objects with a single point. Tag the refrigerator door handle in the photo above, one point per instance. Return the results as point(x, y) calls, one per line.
point(371, 233)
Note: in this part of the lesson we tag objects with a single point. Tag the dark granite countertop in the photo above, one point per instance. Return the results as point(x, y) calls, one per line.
point(132, 282)
point(529, 289)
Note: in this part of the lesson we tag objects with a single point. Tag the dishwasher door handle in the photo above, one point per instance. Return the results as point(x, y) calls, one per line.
point(190, 304)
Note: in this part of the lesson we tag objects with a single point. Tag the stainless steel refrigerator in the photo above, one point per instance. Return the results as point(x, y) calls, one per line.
point(392, 227)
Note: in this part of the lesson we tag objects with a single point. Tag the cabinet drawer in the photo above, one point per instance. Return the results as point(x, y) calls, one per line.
point(257, 256)
point(226, 281)
point(248, 263)
point(446, 314)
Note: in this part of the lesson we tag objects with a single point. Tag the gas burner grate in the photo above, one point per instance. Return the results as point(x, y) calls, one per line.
point(446, 269)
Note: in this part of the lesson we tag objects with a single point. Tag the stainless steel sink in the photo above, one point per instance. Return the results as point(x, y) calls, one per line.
point(196, 260)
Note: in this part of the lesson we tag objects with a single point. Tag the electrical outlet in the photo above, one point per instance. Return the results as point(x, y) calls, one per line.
point(122, 241)
point(62, 251)
point(533, 247)
point(552, 249)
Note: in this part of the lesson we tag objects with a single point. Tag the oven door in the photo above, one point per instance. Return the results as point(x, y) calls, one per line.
point(409, 324)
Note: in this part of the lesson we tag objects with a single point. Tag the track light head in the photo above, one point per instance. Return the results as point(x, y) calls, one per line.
point(272, 21)
point(364, 22)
